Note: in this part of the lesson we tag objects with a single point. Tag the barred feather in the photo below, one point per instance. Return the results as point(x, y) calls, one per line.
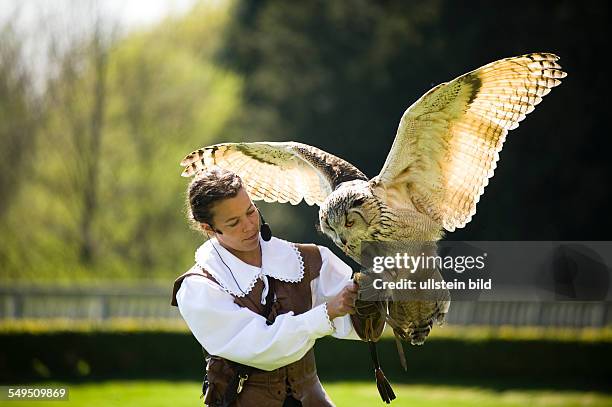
point(448, 142)
point(276, 172)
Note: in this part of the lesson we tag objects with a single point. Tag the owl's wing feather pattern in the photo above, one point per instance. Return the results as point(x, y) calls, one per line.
point(277, 172)
point(448, 141)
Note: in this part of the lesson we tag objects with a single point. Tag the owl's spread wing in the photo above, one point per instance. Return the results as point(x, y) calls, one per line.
point(447, 143)
point(277, 172)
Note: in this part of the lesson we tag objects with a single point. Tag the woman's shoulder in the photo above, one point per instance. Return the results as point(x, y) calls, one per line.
point(302, 247)
point(196, 282)
point(198, 276)
point(308, 249)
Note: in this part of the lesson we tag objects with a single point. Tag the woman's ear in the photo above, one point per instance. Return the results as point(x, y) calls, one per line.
point(207, 229)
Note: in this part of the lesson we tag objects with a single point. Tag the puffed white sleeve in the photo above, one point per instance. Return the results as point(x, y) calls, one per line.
point(225, 329)
point(333, 277)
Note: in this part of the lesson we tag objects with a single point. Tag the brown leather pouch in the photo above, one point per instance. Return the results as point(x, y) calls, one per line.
point(219, 374)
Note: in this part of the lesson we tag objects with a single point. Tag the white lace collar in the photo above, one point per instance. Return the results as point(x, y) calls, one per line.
point(280, 259)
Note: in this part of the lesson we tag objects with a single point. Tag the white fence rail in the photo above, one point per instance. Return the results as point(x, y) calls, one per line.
point(153, 302)
point(89, 303)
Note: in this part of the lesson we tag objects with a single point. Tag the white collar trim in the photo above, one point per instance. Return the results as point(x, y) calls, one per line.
point(280, 259)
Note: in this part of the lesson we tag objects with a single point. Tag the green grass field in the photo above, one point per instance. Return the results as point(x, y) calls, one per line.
point(344, 394)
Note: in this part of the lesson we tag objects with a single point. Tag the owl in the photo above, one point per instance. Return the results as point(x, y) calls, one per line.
point(444, 153)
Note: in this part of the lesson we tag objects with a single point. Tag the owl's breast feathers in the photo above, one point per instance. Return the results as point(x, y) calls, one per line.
point(405, 222)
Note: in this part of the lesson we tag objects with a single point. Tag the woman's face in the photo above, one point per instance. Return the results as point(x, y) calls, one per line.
point(238, 221)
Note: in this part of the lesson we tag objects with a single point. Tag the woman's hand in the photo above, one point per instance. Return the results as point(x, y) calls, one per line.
point(344, 302)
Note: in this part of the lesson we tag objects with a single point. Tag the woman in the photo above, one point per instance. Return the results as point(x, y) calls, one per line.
point(257, 306)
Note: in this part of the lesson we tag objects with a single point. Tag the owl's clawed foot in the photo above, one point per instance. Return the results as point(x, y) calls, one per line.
point(420, 333)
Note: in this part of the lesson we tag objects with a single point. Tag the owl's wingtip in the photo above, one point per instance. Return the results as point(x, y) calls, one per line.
point(188, 172)
point(193, 156)
point(187, 160)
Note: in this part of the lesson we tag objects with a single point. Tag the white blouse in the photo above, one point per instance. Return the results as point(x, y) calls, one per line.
point(236, 333)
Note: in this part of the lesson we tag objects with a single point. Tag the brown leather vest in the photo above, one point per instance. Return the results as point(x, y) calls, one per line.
point(299, 379)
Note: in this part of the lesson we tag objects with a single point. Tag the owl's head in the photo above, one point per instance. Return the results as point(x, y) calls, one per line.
point(347, 217)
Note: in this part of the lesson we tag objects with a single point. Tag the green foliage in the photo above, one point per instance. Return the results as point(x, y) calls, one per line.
point(128, 353)
point(163, 97)
point(333, 74)
point(447, 332)
point(20, 120)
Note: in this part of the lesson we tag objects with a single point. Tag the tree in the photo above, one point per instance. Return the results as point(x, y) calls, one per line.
point(20, 115)
point(77, 96)
point(105, 199)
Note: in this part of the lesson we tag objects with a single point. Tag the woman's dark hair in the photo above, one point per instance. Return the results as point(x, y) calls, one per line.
point(206, 189)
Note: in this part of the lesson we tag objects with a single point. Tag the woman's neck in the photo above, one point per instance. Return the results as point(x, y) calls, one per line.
point(252, 257)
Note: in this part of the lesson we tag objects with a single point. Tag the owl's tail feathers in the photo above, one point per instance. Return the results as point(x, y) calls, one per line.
point(383, 385)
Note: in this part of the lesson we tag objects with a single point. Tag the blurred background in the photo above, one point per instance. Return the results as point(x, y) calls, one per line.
point(100, 100)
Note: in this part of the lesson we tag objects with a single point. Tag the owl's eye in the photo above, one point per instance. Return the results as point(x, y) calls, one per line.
point(349, 223)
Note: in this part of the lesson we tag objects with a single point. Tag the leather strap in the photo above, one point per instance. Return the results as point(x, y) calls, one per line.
point(242, 371)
